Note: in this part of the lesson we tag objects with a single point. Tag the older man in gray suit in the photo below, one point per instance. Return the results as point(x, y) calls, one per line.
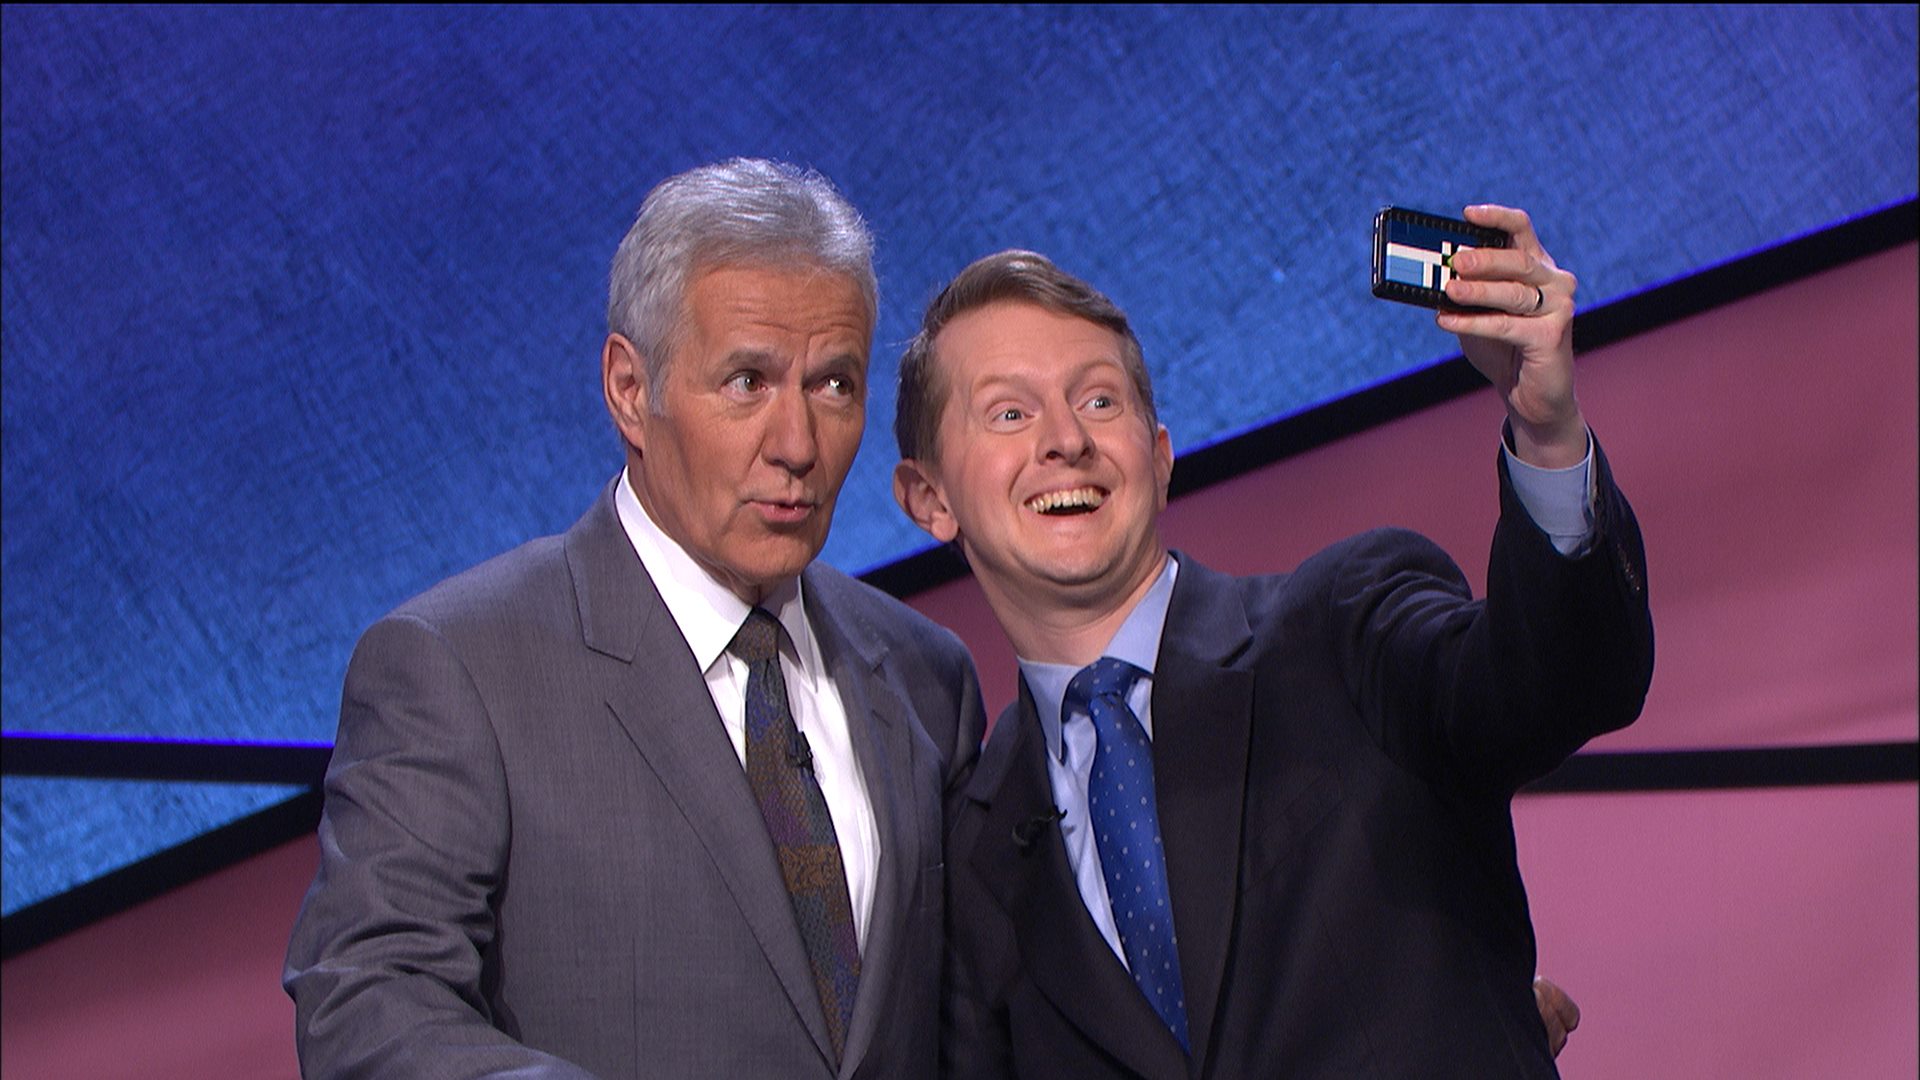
point(659, 796)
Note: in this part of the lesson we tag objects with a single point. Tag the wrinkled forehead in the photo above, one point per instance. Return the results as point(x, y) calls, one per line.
point(1021, 344)
point(796, 262)
point(801, 297)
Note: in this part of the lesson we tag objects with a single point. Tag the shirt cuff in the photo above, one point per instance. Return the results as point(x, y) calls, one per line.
point(1560, 501)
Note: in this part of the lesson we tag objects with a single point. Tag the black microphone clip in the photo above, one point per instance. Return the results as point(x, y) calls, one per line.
point(799, 754)
point(1028, 833)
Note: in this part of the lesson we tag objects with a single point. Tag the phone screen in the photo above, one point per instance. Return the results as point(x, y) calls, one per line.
point(1413, 254)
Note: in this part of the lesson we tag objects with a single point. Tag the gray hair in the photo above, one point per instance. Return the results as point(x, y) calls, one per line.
point(743, 211)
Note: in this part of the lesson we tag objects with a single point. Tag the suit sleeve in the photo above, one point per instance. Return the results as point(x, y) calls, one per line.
point(975, 1037)
point(1499, 691)
point(386, 966)
point(973, 1044)
point(970, 726)
point(976, 1041)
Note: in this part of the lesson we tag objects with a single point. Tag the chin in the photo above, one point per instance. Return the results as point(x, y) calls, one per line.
point(783, 563)
point(1075, 575)
point(1088, 568)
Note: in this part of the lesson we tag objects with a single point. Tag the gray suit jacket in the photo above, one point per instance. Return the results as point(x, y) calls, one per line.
point(540, 855)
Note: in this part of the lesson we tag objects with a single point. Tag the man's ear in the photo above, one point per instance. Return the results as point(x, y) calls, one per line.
point(919, 494)
point(623, 379)
point(1163, 461)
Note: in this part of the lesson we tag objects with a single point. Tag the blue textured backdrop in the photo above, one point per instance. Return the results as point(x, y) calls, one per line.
point(302, 307)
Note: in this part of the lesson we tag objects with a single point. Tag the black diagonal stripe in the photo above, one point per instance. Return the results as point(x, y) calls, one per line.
point(1677, 770)
point(1704, 770)
point(164, 759)
point(1203, 466)
point(118, 890)
point(1655, 770)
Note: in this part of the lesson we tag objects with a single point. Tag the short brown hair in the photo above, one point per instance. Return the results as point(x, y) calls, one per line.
point(1008, 275)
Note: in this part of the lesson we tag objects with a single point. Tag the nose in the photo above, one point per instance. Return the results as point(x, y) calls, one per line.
point(1063, 436)
point(790, 440)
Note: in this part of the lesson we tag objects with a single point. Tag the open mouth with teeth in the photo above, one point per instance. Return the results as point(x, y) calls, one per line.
point(1081, 500)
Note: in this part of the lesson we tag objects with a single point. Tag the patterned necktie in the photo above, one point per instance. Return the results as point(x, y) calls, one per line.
point(1126, 829)
point(780, 771)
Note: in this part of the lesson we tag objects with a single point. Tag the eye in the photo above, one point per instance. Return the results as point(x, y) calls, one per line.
point(745, 382)
point(838, 386)
point(1011, 412)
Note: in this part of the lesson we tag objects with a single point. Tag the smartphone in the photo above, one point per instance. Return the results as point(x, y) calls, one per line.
point(1413, 255)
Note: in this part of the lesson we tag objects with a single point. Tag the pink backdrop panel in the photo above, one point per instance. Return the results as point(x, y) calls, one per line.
point(1769, 448)
point(183, 987)
point(1775, 440)
point(1745, 935)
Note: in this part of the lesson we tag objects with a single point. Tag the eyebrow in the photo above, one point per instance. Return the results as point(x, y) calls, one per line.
point(764, 359)
point(1080, 372)
point(850, 363)
point(749, 356)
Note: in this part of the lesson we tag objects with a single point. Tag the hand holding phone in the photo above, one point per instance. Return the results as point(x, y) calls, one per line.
point(1413, 255)
point(1521, 340)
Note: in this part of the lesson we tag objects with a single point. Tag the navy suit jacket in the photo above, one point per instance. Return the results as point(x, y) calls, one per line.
point(1335, 752)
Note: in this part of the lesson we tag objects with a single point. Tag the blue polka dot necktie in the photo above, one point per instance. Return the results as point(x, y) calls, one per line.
point(1126, 830)
point(782, 779)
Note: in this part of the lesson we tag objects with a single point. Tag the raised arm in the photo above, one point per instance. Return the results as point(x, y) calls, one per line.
point(1524, 344)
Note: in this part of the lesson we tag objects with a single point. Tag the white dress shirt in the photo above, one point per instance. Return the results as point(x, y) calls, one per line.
point(709, 615)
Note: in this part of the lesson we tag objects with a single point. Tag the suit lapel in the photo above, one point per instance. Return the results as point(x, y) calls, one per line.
point(1060, 948)
point(881, 735)
point(1202, 715)
point(665, 708)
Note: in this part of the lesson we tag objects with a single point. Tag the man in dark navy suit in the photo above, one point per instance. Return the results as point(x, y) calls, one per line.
point(1255, 826)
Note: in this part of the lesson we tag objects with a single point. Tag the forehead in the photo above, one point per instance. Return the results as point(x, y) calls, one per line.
point(1018, 341)
point(804, 300)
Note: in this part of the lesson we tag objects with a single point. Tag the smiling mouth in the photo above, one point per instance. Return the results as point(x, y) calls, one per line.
point(1080, 500)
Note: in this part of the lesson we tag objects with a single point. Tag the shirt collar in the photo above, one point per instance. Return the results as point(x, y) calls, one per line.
point(1137, 642)
point(707, 612)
